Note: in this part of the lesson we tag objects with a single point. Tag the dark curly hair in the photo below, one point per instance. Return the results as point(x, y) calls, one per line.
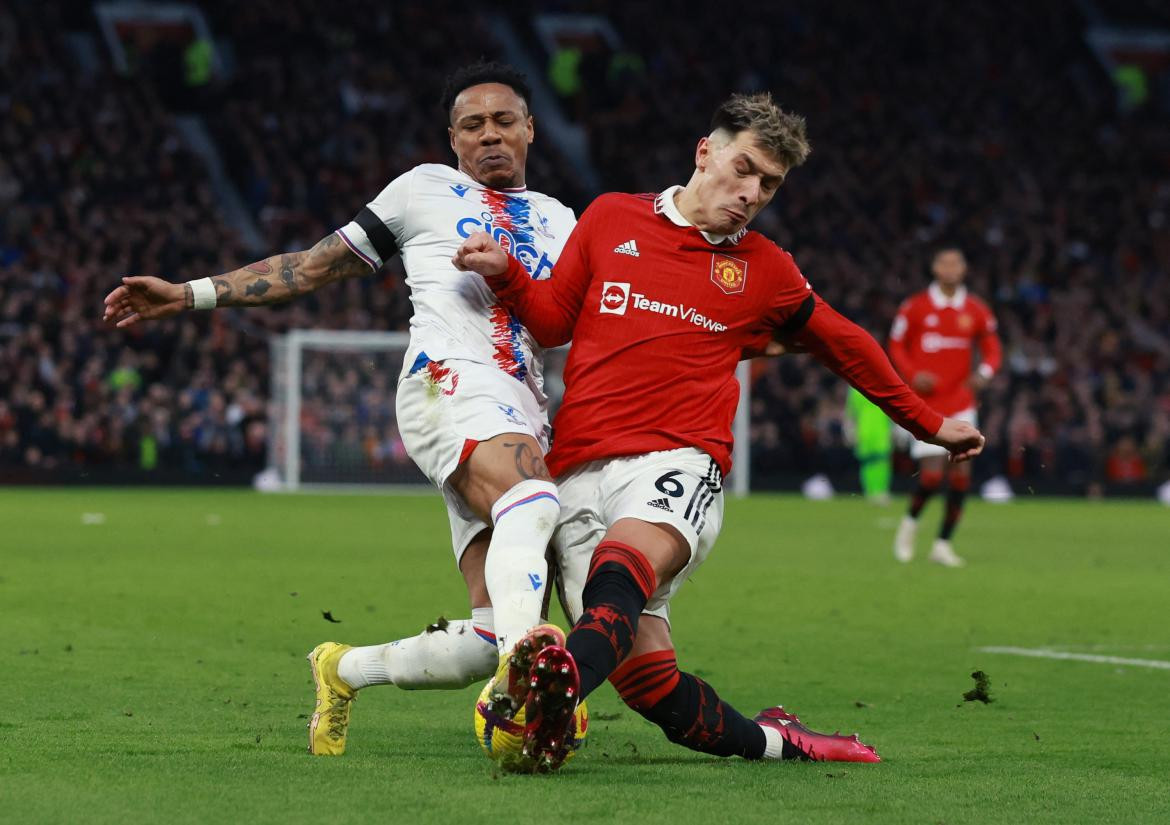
point(483, 71)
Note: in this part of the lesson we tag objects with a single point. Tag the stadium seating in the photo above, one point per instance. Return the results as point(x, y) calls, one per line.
point(1062, 203)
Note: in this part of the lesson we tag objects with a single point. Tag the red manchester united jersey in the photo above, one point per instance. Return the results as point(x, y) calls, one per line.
point(936, 334)
point(659, 314)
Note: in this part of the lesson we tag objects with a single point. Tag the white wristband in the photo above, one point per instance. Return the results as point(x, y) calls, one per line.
point(203, 291)
point(986, 371)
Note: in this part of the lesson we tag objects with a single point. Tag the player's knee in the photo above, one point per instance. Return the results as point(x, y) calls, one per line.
point(644, 681)
point(959, 481)
point(930, 479)
point(662, 544)
point(613, 559)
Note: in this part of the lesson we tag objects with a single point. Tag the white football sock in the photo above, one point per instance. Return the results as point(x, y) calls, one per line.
point(516, 569)
point(462, 653)
point(774, 747)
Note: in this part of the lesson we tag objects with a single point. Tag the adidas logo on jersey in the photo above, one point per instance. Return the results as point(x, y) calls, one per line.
point(661, 504)
point(630, 248)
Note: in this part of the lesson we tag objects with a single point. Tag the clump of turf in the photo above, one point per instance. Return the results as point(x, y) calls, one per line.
point(982, 690)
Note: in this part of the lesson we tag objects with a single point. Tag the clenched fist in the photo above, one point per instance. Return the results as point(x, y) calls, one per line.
point(481, 254)
point(962, 440)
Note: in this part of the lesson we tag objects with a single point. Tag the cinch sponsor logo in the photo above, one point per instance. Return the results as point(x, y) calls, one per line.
point(933, 342)
point(686, 313)
point(537, 263)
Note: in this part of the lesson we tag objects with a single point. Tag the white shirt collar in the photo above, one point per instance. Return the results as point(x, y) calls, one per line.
point(664, 205)
point(941, 301)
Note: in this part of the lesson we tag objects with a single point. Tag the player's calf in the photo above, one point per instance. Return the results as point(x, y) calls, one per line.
point(686, 708)
point(446, 655)
point(516, 570)
point(620, 582)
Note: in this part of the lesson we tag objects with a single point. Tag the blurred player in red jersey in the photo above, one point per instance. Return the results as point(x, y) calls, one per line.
point(662, 295)
point(932, 344)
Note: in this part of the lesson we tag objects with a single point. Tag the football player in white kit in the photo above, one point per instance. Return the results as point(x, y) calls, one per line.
point(470, 403)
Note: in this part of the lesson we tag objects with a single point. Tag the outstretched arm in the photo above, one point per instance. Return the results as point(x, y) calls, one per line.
point(269, 281)
point(849, 351)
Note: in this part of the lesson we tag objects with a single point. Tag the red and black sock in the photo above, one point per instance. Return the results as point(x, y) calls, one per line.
point(619, 584)
point(959, 484)
point(928, 483)
point(687, 709)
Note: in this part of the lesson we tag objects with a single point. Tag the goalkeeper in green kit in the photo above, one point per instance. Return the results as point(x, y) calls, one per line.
point(872, 445)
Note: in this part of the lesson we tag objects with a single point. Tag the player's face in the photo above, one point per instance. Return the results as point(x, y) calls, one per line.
point(949, 267)
point(737, 179)
point(490, 131)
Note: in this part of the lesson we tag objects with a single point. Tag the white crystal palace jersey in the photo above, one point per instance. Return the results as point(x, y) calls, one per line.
point(425, 214)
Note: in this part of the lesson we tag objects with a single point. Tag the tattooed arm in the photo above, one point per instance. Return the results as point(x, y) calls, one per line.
point(270, 281)
point(284, 277)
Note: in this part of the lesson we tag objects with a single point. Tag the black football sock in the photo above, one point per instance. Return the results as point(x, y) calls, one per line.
point(687, 709)
point(620, 581)
point(955, 499)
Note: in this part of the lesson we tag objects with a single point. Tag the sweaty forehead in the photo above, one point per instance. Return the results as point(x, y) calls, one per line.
point(486, 98)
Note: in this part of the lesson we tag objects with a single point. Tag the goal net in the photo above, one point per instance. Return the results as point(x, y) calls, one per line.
point(331, 413)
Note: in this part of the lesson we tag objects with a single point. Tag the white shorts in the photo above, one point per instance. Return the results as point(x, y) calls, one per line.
point(682, 488)
point(920, 449)
point(445, 408)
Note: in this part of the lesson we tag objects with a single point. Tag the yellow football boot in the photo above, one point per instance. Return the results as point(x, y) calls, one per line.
point(330, 722)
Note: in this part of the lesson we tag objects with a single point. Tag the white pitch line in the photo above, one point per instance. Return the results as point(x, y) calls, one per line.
point(1041, 653)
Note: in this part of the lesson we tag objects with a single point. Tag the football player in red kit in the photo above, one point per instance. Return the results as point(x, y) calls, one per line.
point(932, 344)
point(662, 295)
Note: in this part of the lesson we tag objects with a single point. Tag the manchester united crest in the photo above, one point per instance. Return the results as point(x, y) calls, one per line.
point(966, 322)
point(728, 273)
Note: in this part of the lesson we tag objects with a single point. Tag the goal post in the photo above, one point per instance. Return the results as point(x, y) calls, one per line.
point(331, 413)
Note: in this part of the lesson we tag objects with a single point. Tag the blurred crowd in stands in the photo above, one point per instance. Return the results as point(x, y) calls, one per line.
point(990, 126)
point(997, 129)
point(95, 183)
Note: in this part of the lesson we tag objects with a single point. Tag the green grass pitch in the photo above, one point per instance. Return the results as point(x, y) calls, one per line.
point(153, 667)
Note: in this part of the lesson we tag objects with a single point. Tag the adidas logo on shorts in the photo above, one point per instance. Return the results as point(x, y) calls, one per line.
point(630, 247)
point(661, 504)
